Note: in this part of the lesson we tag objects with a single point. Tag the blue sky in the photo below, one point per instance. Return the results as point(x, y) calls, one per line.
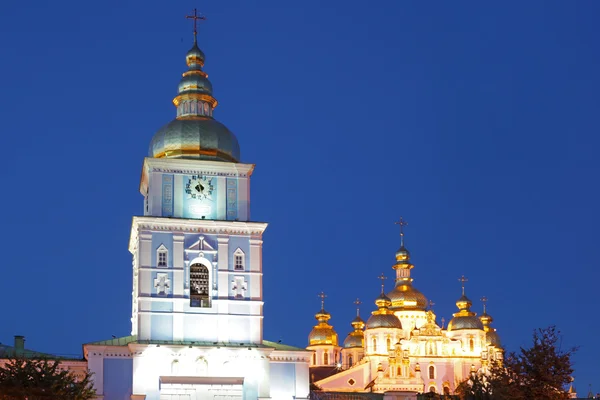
point(478, 122)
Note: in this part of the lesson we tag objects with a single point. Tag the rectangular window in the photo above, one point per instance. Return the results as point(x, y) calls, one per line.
point(162, 258)
point(239, 262)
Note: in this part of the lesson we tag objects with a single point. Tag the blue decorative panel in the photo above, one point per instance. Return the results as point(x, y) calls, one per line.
point(161, 327)
point(167, 195)
point(118, 378)
point(232, 206)
point(200, 197)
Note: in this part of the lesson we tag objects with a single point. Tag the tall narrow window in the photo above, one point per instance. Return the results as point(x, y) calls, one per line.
point(161, 256)
point(431, 372)
point(374, 344)
point(314, 358)
point(238, 260)
point(350, 363)
point(199, 286)
point(389, 344)
point(325, 358)
point(471, 345)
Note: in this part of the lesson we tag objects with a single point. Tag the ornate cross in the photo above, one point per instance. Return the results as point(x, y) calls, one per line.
point(382, 277)
point(431, 304)
point(196, 18)
point(484, 301)
point(462, 281)
point(322, 296)
point(162, 283)
point(358, 303)
point(402, 224)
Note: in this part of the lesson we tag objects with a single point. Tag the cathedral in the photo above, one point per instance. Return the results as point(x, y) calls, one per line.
point(197, 296)
point(401, 348)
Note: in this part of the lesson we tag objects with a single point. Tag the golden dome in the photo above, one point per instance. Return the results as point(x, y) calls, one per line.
point(383, 317)
point(354, 339)
point(492, 338)
point(405, 297)
point(464, 318)
point(323, 334)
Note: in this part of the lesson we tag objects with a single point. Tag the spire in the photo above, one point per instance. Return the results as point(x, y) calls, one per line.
point(196, 18)
point(402, 224)
point(464, 304)
point(358, 303)
point(462, 281)
point(195, 99)
point(382, 278)
point(322, 296)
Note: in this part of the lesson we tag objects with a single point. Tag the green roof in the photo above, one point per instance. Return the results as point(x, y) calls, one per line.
point(12, 352)
point(125, 340)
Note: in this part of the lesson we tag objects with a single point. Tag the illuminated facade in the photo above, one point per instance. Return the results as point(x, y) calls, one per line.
point(197, 307)
point(401, 348)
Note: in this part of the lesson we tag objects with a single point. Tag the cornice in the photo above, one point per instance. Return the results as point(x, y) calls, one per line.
point(178, 226)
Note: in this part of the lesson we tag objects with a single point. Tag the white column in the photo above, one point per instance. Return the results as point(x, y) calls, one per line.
point(223, 263)
point(178, 283)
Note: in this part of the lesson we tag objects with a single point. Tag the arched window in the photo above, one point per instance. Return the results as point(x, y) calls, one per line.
point(471, 345)
point(314, 358)
point(389, 344)
point(175, 367)
point(325, 358)
point(199, 286)
point(335, 357)
point(374, 344)
point(201, 366)
point(432, 389)
point(446, 390)
point(431, 372)
point(350, 360)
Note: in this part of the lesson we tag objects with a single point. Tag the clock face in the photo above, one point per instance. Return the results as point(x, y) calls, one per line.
point(199, 187)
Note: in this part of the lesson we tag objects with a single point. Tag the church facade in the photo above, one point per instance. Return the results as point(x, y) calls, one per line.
point(401, 348)
point(197, 296)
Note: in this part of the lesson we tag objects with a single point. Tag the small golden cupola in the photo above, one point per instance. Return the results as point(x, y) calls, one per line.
point(491, 336)
point(323, 333)
point(405, 296)
point(383, 317)
point(464, 318)
point(356, 338)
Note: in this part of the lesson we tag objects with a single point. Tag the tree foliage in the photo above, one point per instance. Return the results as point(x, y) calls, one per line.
point(540, 372)
point(26, 379)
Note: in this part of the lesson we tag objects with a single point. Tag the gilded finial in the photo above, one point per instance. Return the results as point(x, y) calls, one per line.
point(322, 296)
point(382, 277)
point(358, 303)
point(196, 18)
point(484, 301)
point(443, 322)
point(462, 281)
point(402, 224)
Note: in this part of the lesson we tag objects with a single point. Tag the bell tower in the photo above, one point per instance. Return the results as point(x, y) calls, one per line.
point(197, 257)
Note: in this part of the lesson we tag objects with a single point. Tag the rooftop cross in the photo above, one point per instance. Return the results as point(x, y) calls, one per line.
point(195, 17)
point(358, 303)
point(402, 224)
point(462, 281)
point(431, 304)
point(484, 301)
point(382, 277)
point(322, 296)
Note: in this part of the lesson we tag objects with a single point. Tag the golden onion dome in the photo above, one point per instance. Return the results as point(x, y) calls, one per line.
point(464, 318)
point(405, 296)
point(358, 323)
point(492, 338)
point(464, 322)
point(485, 319)
point(383, 321)
point(383, 317)
point(354, 340)
point(323, 335)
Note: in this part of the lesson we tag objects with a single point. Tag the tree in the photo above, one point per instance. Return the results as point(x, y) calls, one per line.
point(27, 379)
point(540, 372)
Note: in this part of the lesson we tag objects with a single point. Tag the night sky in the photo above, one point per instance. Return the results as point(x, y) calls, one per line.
point(477, 122)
